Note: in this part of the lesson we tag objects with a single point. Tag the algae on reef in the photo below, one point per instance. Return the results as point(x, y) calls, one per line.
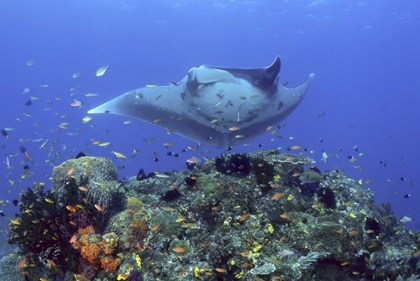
point(243, 217)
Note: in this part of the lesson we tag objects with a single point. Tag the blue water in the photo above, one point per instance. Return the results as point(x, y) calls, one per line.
point(365, 54)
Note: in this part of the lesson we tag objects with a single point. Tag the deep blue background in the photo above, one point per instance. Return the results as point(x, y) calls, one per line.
point(365, 54)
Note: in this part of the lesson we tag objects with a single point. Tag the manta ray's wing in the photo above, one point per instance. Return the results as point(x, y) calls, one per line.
point(215, 106)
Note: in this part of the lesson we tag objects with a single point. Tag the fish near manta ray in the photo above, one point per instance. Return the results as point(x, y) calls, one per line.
point(215, 106)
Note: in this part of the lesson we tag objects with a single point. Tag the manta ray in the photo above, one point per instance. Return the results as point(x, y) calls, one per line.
point(216, 106)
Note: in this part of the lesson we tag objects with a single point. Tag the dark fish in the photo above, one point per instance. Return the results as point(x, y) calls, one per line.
point(190, 166)
point(120, 167)
point(22, 149)
point(230, 148)
point(28, 103)
point(107, 111)
point(169, 153)
point(321, 140)
point(355, 148)
point(321, 114)
point(26, 167)
point(279, 105)
point(80, 155)
point(141, 175)
point(2, 214)
point(407, 196)
point(15, 202)
point(171, 195)
point(4, 133)
point(184, 150)
point(155, 159)
point(260, 145)
point(176, 155)
point(402, 178)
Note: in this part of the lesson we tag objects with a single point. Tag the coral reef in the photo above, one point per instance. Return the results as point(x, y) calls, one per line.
point(239, 217)
point(96, 180)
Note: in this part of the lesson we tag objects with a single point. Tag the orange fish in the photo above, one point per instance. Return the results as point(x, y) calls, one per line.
point(233, 128)
point(284, 216)
point(155, 227)
point(71, 208)
point(70, 170)
point(99, 208)
point(73, 239)
point(295, 147)
point(295, 175)
point(221, 270)
point(96, 142)
point(340, 231)
point(83, 188)
point(173, 186)
point(22, 263)
point(345, 263)
point(51, 262)
point(277, 196)
point(130, 210)
point(244, 217)
point(28, 155)
point(179, 250)
point(368, 181)
point(354, 232)
point(373, 245)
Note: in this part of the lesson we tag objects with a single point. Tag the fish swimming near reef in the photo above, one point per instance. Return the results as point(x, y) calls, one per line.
point(209, 101)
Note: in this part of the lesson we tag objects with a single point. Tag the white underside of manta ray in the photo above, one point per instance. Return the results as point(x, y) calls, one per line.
point(214, 106)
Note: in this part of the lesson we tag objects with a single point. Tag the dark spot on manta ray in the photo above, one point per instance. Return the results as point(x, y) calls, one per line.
point(201, 91)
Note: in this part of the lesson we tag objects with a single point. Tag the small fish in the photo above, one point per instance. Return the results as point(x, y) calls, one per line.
point(155, 227)
point(295, 147)
point(48, 200)
point(405, 219)
point(87, 119)
point(168, 209)
point(179, 250)
point(310, 177)
point(76, 74)
point(100, 208)
point(330, 223)
point(91, 94)
point(324, 157)
point(220, 270)
point(243, 217)
point(30, 63)
point(76, 103)
point(234, 128)
point(101, 71)
point(277, 196)
point(151, 85)
point(22, 263)
point(286, 253)
point(119, 154)
point(285, 216)
point(193, 160)
point(70, 170)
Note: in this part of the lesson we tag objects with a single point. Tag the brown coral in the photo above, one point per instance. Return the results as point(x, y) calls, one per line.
point(108, 263)
point(90, 252)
